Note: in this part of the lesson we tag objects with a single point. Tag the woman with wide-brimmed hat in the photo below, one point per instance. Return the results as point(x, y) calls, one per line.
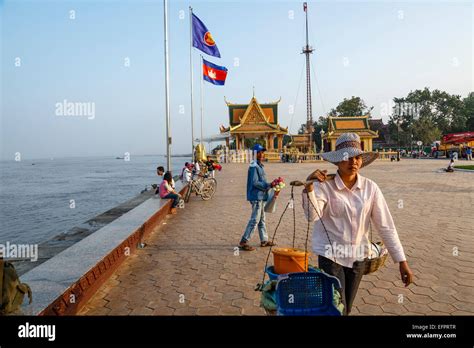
point(348, 206)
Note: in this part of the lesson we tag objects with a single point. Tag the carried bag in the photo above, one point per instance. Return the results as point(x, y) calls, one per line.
point(270, 204)
point(12, 291)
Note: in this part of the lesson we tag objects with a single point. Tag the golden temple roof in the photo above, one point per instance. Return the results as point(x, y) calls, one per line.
point(253, 118)
point(356, 124)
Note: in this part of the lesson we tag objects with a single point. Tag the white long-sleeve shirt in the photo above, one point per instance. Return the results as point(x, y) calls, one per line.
point(347, 215)
point(187, 175)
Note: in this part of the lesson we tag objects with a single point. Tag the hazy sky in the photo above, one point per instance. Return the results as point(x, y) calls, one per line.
point(375, 49)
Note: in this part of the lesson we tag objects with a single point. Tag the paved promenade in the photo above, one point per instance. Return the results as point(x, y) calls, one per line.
point(190, 266)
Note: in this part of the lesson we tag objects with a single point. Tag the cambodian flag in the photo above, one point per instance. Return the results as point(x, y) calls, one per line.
point(202, 38)
point(214, 74)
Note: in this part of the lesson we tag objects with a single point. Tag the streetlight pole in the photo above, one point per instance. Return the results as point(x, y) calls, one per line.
point(192, 78)
point(322, 142)
point(167, 83)
point(398, 134)
point(398, 138)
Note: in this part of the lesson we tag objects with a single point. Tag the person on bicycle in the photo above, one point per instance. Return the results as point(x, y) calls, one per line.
point(257, 193)
point(343, 210)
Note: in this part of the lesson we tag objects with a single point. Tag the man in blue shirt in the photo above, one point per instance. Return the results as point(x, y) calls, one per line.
point(257, 194)
point(468, 154)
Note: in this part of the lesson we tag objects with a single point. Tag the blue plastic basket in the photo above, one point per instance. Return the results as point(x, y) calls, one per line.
point(270, 270)
point(306, 293)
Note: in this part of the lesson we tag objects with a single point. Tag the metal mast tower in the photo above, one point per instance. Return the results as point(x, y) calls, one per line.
point(307, 50)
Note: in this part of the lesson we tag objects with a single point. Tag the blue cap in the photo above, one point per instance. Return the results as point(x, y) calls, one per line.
point(258, 148)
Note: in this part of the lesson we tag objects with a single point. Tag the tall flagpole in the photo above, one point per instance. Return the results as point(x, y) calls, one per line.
point(202, 82)
point(167, 97)
point(192, 77)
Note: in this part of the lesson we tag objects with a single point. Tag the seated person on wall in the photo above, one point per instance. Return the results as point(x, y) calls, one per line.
point(168, 192)
point(160, 171)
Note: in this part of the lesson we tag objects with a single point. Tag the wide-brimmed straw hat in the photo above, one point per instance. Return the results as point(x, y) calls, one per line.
point(347, 146)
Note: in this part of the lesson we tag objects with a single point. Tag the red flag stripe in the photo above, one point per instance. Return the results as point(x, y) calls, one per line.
point(220, 74)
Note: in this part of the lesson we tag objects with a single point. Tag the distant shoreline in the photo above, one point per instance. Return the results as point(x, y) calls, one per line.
point(94, 156)
point(185, 155)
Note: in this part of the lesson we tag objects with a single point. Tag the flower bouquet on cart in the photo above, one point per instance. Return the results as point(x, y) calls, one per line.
point(276, 186)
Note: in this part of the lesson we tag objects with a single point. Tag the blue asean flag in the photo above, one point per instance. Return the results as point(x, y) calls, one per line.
point(214, 74)
point(202, 38)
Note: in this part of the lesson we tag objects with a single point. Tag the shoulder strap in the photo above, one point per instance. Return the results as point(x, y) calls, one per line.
point(25, 289)
point(258, 174)
point(322, 223)
point(370, 232)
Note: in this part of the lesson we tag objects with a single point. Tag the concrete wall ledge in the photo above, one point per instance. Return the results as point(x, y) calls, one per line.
point(63, 284)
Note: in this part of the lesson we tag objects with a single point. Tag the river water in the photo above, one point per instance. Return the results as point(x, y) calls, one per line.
point(41, 198)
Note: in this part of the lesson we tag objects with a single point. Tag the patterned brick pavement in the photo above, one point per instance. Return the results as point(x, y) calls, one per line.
point(190, 266)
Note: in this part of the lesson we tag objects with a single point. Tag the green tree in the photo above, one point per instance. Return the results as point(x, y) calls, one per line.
point(426, 131)
point(354, 106)
point(250, 142)
point(432, 109)
point(468, 111)
point(322, 123)
point(448, 112)
point(396, 132)
point(302, 129)
point(286, 140)
point(400, 123)
point(444, 109)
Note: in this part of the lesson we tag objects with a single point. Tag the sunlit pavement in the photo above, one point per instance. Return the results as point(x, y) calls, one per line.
point(190, 265)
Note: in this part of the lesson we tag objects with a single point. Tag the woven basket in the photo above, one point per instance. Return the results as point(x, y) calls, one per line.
point(373, 264)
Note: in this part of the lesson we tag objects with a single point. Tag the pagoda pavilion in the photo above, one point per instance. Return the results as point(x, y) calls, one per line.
point(254, 120)
point(354, 124)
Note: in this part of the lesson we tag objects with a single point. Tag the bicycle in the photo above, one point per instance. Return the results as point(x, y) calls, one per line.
point(204, 186)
